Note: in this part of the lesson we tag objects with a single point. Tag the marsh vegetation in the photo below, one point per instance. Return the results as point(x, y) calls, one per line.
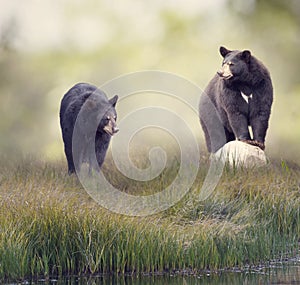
point(51, 227)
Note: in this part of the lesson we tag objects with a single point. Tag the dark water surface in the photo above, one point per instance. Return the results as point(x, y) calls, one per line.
point(276, 274)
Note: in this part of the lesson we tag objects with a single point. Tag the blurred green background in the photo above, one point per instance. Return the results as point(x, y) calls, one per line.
point(48, 46)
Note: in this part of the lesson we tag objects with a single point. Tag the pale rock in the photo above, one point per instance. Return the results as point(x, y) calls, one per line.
point(238, 153)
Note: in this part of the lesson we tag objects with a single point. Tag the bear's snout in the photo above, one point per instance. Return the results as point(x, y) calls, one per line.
point(116, 129)
point(111, 127)
point(220, 73)
point(225, 72)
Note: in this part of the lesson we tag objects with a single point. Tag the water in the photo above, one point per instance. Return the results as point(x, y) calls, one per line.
point(276, 274)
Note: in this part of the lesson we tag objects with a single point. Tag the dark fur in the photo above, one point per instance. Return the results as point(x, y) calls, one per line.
point(94, 108)
point(224, 114)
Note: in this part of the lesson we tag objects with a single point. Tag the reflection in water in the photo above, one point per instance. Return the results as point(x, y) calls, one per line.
point(276, 274)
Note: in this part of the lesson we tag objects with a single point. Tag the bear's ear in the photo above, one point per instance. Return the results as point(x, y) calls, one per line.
point(224, 51)
point(113, 100)
point(246, 55)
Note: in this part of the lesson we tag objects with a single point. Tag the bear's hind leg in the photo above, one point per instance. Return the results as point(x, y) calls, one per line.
point(69, 156)
point(215, 136)
point(229, 136)
point(206, 136)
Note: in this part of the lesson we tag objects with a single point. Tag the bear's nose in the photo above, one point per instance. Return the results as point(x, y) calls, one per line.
point(220, 72)
point(116, 129)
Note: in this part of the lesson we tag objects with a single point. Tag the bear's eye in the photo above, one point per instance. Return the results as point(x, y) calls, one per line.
point(230, 63)
point(108, 117)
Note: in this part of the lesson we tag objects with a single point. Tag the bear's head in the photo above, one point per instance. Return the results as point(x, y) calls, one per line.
point(109, 120)
point(98, 109)
point(235, 65)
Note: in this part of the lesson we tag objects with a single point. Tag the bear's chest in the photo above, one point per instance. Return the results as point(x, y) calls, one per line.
point(243, 103)
point(246, 98)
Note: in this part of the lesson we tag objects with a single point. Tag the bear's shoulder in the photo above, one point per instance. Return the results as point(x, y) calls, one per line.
point(258, 71)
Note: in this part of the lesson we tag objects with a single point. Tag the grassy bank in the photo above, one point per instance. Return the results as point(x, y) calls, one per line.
point(50, 226)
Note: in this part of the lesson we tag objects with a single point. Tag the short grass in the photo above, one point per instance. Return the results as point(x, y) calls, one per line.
point(50, 226)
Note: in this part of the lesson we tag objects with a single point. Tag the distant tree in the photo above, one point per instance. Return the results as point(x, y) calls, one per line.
point(275, 24)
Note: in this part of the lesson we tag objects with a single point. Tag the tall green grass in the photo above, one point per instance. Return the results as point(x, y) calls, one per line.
point(50, 226)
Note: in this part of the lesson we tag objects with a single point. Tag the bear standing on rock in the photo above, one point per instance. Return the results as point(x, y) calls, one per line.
point(88, 120)
point(239, 95)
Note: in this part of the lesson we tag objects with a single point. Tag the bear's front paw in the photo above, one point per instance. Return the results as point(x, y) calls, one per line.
point(261, 145)
point(255, 143)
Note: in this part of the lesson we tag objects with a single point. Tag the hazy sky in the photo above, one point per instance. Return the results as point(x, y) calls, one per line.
point(87, 24)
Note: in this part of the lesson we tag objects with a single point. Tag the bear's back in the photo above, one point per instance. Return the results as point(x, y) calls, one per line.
point(74, 99)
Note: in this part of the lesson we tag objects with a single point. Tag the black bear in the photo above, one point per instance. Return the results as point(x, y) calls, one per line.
point(239, 95)
point(87, 118)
